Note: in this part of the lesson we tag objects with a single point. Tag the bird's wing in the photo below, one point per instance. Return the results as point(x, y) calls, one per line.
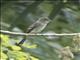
point(32, 27)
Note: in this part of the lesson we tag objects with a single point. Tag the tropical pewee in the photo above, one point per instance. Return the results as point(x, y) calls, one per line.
point(36, 27)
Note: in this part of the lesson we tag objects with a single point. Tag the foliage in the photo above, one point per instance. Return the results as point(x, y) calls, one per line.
point(10, 51)
point(18, 15)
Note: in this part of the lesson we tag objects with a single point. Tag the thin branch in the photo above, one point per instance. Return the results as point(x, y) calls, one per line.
point(56, 10)
point(37, 34)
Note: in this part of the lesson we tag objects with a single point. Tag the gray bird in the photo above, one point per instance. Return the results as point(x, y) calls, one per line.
point(36, 27)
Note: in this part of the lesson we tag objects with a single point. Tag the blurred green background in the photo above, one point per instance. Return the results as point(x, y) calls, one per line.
point(18, 15)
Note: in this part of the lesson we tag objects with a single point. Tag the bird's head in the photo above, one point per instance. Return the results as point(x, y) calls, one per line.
point(44, 20)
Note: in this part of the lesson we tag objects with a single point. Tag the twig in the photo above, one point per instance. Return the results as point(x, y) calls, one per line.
point(27, 34)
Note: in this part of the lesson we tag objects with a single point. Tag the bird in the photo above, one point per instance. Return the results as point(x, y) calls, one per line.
point(36, 27)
